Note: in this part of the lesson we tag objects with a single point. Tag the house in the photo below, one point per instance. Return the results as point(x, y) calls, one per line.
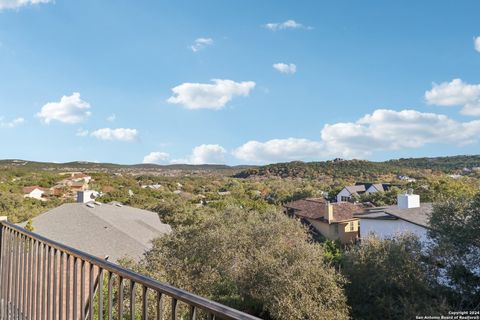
point(349, 192)
point(409, 215)
point(103, 230)
point(335, 221)
point(34, 192)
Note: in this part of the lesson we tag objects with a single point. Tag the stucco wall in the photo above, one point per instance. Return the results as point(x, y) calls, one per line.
point(389, 228)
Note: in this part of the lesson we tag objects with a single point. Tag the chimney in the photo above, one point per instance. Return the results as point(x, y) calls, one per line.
point(328, 215)
point(408, 200)
point(86, 196)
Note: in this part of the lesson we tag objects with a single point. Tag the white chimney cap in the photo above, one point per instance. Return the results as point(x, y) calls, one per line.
point(408, 200)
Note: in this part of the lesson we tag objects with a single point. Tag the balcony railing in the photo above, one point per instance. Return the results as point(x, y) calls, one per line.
point(43, 279)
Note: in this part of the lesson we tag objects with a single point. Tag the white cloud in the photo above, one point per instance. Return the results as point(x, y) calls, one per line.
point(70, 109)
point(111, 117)
point(209, 96)
point(279, 150)
point(120, 134)
point(156, 157)
point(14, 4)
point(289, 24)
point(382, 130)
point(456, 93)
point(205, 154)
point(476, 43)
point(201, 43)
point(11, 124)
point(285, 68)
point(393, 130)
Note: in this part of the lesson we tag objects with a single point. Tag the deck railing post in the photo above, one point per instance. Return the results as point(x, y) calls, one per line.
point(2, 298)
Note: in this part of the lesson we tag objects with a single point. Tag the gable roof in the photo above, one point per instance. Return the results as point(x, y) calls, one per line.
point(314, 208)
point(29, 189)
point(355, 189)
point(102, 230)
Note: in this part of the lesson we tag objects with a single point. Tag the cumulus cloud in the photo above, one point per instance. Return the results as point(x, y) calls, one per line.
point(279, 150)
point(285, 68)
point(209, 96)
point(201, 43)
point(156, 157)
point(205, 154)
point(70, 109)
point(476, 43)
point(456, 93)
point(379, 131)
point(11, 124)
point(14, 4)
point(119, 134)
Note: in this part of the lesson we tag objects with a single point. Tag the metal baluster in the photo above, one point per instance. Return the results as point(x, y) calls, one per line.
point(174, 308)
point(55, 278)
point(132, 300)
point(120, 297)
point(49, 281)
point(144, 303)
point(67, 290)
point(60, 287)
point(91, 292)
point(3, 272)
point(34, 279)
point(16, 264)
point(38, 297)
point(82, 291)
point(100, 294)
point(44, 282)
point(192, 315)
point(75, 288)
point(110, 294)
point(25, 276)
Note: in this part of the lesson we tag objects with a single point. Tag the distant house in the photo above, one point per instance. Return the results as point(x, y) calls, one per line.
point(152, 186)
point(335, 221)
point(34, 192)
point(349, 192)
point(103, 230)
point(409, 215)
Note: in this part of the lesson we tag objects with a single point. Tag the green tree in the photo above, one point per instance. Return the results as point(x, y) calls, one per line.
point(390, 279)
point(29, 226)
point(456, 232)
point(261, 263)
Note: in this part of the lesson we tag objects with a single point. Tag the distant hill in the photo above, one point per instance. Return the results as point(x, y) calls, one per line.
point(339, 168)
point(93, 166)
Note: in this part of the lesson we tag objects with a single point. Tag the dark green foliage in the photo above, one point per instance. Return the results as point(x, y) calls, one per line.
point(391, 279)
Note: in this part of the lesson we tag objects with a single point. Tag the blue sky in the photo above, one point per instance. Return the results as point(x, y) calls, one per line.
point(238, 82)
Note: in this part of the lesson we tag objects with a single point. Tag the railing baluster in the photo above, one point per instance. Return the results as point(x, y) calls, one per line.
point(174, 309)
point(110, 295)
point(38, 303)
point(67, 285)
point(44, 282)
point(91, 293)
point(16, 264)
point(100, 294)
point(82, 290)
point(55, 279)
point(120, 297)
point(29, 278)
point(132, 300)
point(144, 303)
point(33, 284)
point(25, 274)
point(159, 305)
point(192, 314)
point(3, 272)
point(49, 282)
point(75, 288)
point(60, 286)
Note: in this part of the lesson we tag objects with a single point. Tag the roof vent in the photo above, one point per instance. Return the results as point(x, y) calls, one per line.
point(119, 205)
point(90, 205)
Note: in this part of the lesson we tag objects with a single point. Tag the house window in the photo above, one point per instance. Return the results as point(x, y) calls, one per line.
point(345, 199)
point(352, 225)
point(335, 228)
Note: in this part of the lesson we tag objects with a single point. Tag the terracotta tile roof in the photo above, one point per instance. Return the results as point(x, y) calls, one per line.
point(27, 190)
point(314, 208)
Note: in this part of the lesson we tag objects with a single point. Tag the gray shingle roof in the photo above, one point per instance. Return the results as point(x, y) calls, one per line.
point(104, 230)
point(418, 216)
point(355, 189)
